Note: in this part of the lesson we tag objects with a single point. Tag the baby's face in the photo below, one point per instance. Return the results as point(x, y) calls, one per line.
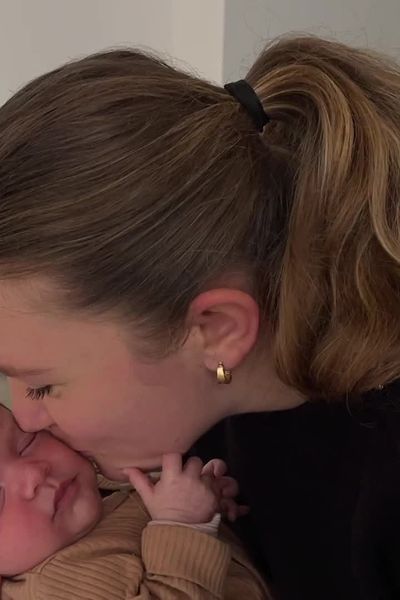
point(48, 496)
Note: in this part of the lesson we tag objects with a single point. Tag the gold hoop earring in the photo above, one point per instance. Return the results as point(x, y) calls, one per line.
point(223, 375)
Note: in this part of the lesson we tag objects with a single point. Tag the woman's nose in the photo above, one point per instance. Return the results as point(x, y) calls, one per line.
point(25, 477)
point(31, 415)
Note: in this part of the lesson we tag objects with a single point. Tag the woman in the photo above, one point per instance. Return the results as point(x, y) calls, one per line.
point(160, 235)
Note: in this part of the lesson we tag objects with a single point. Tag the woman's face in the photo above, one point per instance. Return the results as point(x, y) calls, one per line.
point(81, 380)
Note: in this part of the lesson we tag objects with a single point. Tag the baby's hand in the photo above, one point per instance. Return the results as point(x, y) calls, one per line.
point(182, 494)
point(226, 489)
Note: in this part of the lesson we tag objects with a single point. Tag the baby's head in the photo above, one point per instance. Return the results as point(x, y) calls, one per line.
point(48, 496)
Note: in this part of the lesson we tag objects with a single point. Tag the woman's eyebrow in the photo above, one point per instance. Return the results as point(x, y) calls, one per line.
point(18, 372)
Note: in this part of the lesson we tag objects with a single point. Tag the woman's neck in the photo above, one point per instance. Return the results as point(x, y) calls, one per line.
point(257, 388)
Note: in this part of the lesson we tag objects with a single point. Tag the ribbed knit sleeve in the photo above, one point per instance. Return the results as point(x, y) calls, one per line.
point(177, 563)
point(190, 561)
point(125, 558)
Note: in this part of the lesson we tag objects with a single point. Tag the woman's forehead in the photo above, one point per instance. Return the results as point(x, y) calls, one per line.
point(28, 340)
point(27, 295)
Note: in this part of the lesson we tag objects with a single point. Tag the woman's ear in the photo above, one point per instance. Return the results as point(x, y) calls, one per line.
point(227, 321)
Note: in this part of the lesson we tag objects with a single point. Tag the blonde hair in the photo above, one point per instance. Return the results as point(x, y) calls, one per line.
point(134, 185)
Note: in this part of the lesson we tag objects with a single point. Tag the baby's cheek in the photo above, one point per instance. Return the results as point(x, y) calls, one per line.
point(28, 541)
point(45, 535)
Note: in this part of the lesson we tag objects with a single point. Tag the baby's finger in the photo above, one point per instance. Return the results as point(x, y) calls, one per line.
point(229, 487)
point(228, 509)
point(231, 510)
point(243, 510)
point(141, 482)
point(171, 465)
point(215, 467)
point(193, 467)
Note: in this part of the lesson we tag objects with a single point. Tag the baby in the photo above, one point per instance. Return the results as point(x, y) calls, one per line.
point(60, 539)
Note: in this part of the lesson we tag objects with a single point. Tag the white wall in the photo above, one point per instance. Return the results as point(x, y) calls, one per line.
point(197, 35)
point(250, 23)
point(215, 38)
point(38, 35)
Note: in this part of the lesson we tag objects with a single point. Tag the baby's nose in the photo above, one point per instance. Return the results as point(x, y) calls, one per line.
point(27, 475)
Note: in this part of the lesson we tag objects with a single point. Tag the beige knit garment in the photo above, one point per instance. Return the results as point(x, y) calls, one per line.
point(124, 558)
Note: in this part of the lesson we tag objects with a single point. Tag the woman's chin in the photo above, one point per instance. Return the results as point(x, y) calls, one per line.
point(112, 473)
point(116, 473)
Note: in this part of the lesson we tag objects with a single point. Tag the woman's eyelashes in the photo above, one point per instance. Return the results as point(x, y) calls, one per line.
point(38, 393)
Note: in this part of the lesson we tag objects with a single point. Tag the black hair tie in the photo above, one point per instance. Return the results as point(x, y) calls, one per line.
point(246, 96)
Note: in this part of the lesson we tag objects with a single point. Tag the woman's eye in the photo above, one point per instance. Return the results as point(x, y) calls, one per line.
point(38, 393)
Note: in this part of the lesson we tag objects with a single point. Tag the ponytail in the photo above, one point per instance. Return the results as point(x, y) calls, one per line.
point(337, 117)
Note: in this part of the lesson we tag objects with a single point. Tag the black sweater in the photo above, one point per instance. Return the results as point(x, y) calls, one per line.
point(323, 485)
